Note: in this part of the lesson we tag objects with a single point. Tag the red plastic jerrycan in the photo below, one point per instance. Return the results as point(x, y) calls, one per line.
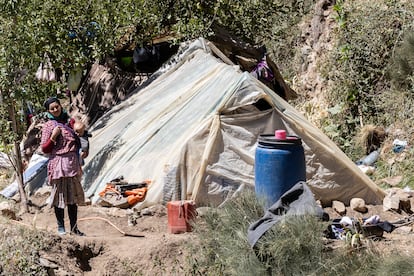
point(181, 215)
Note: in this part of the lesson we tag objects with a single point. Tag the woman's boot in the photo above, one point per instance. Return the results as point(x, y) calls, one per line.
point(73, 218)
point(60, 218)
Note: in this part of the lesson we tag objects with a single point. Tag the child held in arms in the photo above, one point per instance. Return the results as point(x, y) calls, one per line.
point(80, 129)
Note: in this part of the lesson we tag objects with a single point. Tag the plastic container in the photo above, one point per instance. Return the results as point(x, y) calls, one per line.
point(279, 165)
point(280, 134)
point(370, 159)
point(180, 216)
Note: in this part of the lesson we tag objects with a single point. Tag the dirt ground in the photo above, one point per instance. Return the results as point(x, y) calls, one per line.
point(400, 240)
point(109, 247)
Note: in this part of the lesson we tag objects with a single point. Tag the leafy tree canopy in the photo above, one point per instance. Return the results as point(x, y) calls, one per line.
point(76, 33)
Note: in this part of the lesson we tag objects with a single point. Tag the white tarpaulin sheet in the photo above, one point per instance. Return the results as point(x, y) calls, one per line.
point(34, 177)
point(192, 132)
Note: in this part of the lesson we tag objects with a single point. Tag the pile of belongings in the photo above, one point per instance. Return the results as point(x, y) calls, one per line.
point(346, 227)
point(121, 194)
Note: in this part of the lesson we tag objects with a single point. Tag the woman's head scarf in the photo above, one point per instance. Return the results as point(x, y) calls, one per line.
point(63, 117)
point(49, 101)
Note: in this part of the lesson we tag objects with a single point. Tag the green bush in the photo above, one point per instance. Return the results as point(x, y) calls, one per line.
point(402, 70)
point(19, 251)
point(366, 38)
point(295, 246)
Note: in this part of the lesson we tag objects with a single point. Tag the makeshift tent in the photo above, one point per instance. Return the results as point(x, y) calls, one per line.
point(193, 132)
point(34, 177)
point(104, 87)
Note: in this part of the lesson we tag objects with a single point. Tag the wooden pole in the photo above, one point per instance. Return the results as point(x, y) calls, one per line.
point(18, 162)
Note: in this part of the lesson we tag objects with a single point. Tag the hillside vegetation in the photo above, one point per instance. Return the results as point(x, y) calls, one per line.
point(353, 68)
point(352, 64)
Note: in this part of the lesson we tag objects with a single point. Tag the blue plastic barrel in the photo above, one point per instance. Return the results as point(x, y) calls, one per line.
point(279, 165)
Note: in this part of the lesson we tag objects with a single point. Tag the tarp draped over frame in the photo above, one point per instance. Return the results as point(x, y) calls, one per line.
point(193, 131)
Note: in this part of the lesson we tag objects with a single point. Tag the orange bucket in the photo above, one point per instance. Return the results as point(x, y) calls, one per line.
point(180, 213)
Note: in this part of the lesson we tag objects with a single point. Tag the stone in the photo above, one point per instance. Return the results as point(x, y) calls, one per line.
point(88, 202)
point(398, 200)
point(412, 204)
point(147, 212)
point(47, 263)
point(358, 204)
point(400, 193)
point(6, 210)
point(393, 180)
point(116, 212)
point(155, 210)
point(391, 203)
point(202, 211)
point(405, 200)
point(44, 190)
point(368, 170)
point(339, 207)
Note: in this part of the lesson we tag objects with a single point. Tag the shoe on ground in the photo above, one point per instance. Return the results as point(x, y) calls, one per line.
point(61, 231)
point(77, 232)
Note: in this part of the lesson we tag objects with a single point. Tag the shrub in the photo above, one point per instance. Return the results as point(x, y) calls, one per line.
point(295, 246)
point(19, 251)
point(365, 40)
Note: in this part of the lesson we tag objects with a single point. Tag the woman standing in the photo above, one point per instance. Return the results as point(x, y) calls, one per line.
point(64, 173)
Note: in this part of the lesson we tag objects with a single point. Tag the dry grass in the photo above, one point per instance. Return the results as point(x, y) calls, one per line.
point(294, 247)
point(19, 250)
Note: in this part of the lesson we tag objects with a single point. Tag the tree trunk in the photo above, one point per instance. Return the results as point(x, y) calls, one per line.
point(18, 163)
point(19, 176)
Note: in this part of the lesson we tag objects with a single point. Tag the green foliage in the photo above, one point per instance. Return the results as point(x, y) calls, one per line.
point(298, 240)
point(340, 131)
point(294, 246)
point(358, 65)
point(402, 69)
point(19, 251)
point(340, 13)
point(394, 265)
point(77, 34)
point(71, 33)
point(259, 21)
point(272, 23)
point(283, 33)
point(395, 164)
point(223, 249)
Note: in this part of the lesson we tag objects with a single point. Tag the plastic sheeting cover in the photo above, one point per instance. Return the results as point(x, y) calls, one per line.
point(193, 133)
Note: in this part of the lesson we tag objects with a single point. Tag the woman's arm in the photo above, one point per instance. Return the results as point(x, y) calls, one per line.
point(50, 134)
point(48, 146)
